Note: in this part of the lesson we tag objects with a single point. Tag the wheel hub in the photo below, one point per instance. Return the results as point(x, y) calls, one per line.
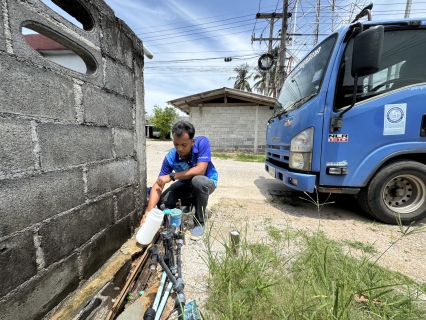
point(403, 194)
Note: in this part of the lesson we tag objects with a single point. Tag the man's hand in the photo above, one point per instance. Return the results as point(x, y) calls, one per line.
point(154, 195)
point(163, 180)
point(143, 219)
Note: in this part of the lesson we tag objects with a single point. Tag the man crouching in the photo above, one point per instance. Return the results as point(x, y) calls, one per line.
point(189, 166)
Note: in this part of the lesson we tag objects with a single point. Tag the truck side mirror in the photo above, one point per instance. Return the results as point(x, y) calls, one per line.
point(367, 51)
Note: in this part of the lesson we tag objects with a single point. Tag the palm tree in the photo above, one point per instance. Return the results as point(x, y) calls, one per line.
point(241, 80)
point(259, 85)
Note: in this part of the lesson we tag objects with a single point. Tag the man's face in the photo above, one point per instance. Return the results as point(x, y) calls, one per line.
point(183, 145)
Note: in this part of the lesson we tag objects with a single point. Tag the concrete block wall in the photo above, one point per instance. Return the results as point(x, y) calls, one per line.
point(232, 128)
point(72, 152)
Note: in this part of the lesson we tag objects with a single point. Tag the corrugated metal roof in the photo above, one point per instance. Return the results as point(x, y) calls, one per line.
point(185, 103)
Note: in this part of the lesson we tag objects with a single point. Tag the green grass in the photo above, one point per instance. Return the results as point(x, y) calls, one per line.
point(240, 156)
point(366, 248)
point(319, 280)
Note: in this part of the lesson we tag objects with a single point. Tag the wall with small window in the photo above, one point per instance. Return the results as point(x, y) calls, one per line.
point(72, 149)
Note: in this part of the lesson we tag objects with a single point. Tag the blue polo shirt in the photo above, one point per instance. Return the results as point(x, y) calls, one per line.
point(200, 152)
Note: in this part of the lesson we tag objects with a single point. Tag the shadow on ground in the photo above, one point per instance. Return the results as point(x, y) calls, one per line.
point(332, 206)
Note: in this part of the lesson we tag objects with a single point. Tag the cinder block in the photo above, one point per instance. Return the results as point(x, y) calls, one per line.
point(17, 261)
point(29, 200)
point(42, 293)
point(107, 109)
point(123, 143)
point(46, 93)
point(16, 149)
point(64, 145)
point(125, 202)
point(116, 43)
point(119, 78)
point(136, 217)
point(107, 177)
point(65, 233)
point(98, 251)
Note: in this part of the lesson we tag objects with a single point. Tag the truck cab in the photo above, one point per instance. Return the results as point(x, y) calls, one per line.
point(351, 118)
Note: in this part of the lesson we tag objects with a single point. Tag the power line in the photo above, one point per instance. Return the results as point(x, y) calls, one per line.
point(185, 21)
point(197, 26)
point(209, 51)
point(204, 31)
point(205, 59)
point(221, 35)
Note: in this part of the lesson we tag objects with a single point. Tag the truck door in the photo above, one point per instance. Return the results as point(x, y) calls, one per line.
point(387, 117)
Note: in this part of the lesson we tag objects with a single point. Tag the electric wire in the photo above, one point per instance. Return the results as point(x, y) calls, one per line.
point(303, 43)
point(203, 19)
point(203, 27)
point(194, 33)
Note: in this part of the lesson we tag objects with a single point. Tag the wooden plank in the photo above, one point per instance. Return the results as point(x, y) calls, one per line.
point(121, 299)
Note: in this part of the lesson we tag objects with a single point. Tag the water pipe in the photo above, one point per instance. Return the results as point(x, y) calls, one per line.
point(160, 291)
point(163, 301)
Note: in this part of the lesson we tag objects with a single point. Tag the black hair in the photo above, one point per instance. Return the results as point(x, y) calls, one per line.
point(182, 127)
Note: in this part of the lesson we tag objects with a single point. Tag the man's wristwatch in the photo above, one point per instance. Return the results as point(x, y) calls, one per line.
point(172, 176)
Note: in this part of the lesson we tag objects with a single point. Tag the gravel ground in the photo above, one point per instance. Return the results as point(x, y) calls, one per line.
point(247, 195)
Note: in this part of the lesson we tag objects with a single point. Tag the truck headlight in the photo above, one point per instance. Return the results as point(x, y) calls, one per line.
point(301, 150)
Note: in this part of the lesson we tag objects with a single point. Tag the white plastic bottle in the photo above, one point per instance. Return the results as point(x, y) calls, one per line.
point(150, 227)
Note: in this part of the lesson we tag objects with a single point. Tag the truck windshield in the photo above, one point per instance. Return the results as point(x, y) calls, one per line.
point(305, 79)
point(403, 63)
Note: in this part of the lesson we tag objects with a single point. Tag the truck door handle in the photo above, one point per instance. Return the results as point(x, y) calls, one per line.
point(423, 127)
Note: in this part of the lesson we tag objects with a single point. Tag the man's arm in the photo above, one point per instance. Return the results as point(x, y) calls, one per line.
point(198, 170)
point(155, 194)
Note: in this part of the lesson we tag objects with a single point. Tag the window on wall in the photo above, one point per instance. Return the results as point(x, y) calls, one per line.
point(58, 53)
point(73, 11)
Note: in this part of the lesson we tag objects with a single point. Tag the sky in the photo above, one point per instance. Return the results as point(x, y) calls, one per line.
point(190, 38)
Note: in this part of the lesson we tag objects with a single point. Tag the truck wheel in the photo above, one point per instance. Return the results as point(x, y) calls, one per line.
point(397, 190)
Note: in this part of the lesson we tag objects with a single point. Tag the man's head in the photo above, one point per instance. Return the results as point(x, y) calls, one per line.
point(183, 138)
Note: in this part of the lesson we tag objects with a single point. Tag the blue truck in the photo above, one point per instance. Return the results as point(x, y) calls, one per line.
point(351, 119)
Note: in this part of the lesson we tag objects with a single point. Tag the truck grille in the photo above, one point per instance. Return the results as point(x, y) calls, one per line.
point(278, 155)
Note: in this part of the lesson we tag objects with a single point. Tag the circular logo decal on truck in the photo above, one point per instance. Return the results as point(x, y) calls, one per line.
point(395, 115)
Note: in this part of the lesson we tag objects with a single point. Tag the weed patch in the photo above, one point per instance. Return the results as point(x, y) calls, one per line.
point(318, 281)
point(240, 156)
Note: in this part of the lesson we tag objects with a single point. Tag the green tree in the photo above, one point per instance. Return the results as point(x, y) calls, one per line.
point(260, 78)
point(242, 78)
point(163, 119)
point(260, 81)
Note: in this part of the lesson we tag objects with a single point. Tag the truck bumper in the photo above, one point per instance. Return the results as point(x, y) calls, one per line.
point(297, 181)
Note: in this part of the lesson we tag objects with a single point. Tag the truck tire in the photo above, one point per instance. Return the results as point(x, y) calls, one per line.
point(396, 190)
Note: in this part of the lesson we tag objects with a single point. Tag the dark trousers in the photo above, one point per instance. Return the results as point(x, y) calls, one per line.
point(196, 192)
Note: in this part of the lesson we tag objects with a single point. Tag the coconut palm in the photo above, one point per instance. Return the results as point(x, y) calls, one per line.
point(260, 78)
point(241, 80)
point(260, 84)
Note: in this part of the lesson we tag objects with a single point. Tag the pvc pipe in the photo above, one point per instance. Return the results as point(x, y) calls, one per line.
point(147, 52)
point(160, 291)
point(163, 301)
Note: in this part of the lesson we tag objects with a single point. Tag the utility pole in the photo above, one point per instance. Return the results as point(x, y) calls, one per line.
point(271, 16)
point(317, 21)
point(282, 72)
point(407, 9)
point(271, 34)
